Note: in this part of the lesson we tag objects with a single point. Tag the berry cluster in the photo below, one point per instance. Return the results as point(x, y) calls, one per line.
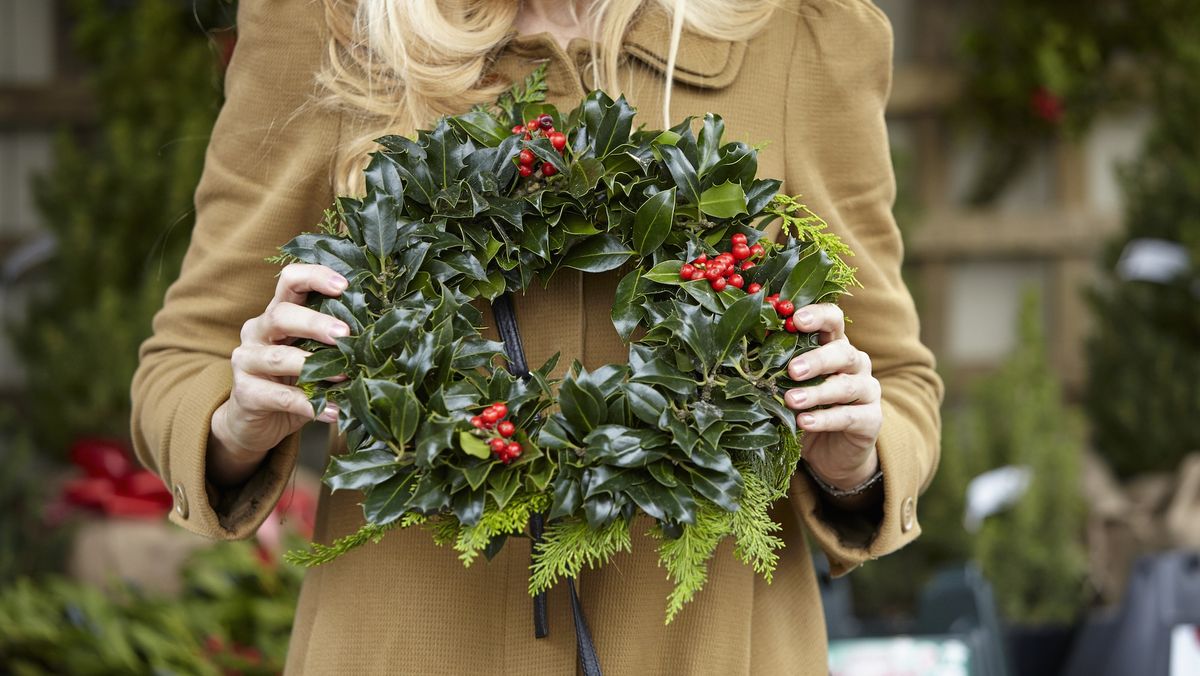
point(492, 419)
point(723, 269)
point(785, 308)
point(542, 125)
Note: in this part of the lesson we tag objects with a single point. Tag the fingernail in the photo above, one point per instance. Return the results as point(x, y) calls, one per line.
point(799, 369)
point(339, 282)
point(804, 317)
point(807, 420)
point(797, 397)
point(339, 330)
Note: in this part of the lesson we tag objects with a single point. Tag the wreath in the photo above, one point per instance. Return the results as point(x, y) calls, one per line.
point(447, 431)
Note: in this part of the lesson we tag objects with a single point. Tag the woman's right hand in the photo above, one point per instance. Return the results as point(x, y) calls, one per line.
point(265, 406)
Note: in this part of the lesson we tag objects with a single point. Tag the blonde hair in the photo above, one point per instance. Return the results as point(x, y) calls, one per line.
point(397, 65)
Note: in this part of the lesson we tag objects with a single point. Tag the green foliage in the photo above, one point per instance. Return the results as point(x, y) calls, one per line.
point(1033, 553)
point(119, 202)
point(235, 614)
point(1144, 353)
point(673, 433)
point(570, 544)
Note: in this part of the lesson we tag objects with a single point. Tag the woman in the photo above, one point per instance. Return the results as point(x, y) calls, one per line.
point(216, 415)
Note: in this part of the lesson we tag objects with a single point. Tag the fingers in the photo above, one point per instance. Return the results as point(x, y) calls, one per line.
point(863, 421)
point(859, 388)
point(256, 395)
point(268, 360)
point(838, 356)
point(285, 320)
point(297, 279)
point(826, 319)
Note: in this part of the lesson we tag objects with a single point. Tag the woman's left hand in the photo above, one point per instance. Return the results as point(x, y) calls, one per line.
point(839, 444)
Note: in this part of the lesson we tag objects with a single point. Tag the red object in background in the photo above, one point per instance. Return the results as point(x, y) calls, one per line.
point(225, 40)
point(112, 484)
point(1046, 105)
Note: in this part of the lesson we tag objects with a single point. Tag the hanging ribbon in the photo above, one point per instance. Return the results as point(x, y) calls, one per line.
point(589, 663)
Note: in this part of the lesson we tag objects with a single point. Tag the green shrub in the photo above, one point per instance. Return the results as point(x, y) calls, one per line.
point(235, 614)
point(1144, 354)
point(1033, 553)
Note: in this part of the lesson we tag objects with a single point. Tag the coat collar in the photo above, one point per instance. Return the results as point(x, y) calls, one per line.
point(702, 61)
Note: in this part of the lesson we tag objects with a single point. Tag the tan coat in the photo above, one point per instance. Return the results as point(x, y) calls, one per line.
point(813, 84)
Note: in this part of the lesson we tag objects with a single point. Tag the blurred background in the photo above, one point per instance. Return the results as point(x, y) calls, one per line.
point(1048, 166)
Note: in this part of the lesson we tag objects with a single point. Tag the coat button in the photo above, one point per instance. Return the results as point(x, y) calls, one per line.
point(181, 506)
point(908, 515)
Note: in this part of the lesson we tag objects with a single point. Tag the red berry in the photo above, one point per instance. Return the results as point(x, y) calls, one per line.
point(532, 124)
point(785, 308)
point(497, 444)
point(790, 325)
point(698, 274)
point(714, 272)
point(741, 252)
point(757, 250)
point(754, 288)
point(506, 429)
point(518, 129)
point(739, 238)
point(477, 421)
point(513, 449)
point(525, 171)
point(736, 280)
point(548, 169)
point(526, 157)
point(718, 284)
point(702, 258)
point(558, 140)
point(490, 415)
point(686, 271)
point(726, 258)
point(545, 121)
point(746, 265)
point(772, 299)
point(500, 408)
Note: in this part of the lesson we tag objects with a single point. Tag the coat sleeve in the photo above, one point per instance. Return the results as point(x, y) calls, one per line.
point(838, 156)
point(266, 178)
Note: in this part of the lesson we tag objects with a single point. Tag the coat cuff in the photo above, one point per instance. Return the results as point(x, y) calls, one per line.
point(222, 513)
point(849, 540)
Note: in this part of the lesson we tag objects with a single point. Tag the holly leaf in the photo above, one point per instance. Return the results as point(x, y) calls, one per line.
point(737, 321)
point(652, 222)
point(360, 470)
point(483, 127)
point(598, 253)
point(626, 309)
point(804, 282)
point(723, 201)
point(474, 446)
point(434, 436)
point(683, 173)
point(322, 364)
point(389, 500)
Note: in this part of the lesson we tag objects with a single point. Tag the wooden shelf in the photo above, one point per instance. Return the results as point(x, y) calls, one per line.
point(954, 235)
point(46, 105)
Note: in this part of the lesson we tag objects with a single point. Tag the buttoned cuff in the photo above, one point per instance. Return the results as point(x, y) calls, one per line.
point(849, 539)
point(222, 513)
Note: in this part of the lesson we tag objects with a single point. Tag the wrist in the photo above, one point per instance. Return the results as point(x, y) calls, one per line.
point(847, 479)
point(226, 462)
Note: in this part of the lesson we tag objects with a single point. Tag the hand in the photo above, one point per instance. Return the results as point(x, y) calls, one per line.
point(839, 444)
point(265, 405)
